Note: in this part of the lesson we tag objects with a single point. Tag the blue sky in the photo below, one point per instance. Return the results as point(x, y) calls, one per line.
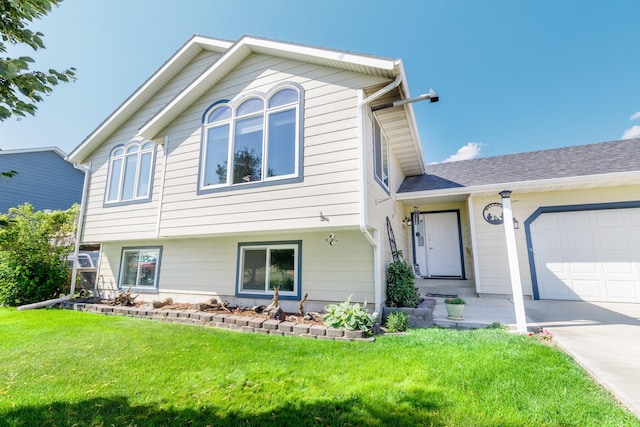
point(512, 76)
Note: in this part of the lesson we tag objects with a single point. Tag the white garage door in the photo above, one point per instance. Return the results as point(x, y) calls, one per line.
point(589, 255)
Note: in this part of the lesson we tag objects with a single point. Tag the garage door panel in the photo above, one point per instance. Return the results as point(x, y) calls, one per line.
point(586, 288)
point(578, 220)
point(547, 222)
point(615, 241)
point(579, 240)
point(608, 218)
point(555, 288)
point(591, 255)
point(621, 267)
point(622, 289)
point(587, 266)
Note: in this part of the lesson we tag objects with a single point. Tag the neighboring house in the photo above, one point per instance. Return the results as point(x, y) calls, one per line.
point(241, 166)
point(44, 179)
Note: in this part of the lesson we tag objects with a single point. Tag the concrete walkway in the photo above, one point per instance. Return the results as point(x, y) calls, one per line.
point(604, 338)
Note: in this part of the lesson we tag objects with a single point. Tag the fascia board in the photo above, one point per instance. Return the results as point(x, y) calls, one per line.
point(258, 44)
point(413, 127)
point(553, 184)
point(243, 48)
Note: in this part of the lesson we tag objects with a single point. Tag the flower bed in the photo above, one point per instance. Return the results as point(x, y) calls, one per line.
point(243, 321)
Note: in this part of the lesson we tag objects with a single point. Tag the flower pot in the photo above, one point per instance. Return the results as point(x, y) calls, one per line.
point(455, 311)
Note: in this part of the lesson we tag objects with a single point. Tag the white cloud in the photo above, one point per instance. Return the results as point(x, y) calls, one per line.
point(468, 152)
point(632, 132)
point(636, 116)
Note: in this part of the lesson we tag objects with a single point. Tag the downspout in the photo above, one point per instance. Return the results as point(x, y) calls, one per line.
point(374, 239)
point(162, 180)
point(74, 272)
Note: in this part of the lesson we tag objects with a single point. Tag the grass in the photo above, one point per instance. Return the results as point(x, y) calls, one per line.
point(60, 368)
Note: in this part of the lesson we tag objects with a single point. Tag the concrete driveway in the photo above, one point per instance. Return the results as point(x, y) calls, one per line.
point(604, 338)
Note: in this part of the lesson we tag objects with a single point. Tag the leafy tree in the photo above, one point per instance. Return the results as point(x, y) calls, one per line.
point(21, 88)
point(247, 167)
point(33, 251)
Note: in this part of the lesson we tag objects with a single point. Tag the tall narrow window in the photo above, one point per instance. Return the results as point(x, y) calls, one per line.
point(380, 154)
point(130, 169)
point(255, 140)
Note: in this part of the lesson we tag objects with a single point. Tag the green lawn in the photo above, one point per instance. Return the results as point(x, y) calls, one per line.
point(60, 368)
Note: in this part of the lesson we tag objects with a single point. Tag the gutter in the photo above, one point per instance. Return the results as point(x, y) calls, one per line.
point(374, 239)
point(551, 184)
point(74, 273)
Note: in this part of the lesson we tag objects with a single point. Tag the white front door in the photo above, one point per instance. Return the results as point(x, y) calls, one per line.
point(437, 245)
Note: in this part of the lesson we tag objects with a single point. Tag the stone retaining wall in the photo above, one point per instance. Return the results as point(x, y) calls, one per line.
point(224, 321)
point(419, 317)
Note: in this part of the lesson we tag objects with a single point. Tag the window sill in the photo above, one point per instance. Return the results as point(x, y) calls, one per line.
point(257, 184)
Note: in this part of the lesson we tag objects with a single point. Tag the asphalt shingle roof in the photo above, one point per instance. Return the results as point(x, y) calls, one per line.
point(580, 160)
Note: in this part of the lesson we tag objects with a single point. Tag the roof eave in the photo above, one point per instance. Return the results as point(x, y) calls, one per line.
point(238, 52)
point(551, 184)
point(188, 51)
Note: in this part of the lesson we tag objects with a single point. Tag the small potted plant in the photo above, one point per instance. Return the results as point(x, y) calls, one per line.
point(455, 308)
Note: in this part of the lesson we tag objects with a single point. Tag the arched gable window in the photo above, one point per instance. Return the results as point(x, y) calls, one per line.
point(256, 139)
point(130, 169)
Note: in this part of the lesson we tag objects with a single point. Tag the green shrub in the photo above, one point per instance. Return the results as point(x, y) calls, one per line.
point(33, 250)
point(401, 288)
point(397, 321)
point(345, 315)
point(456, 301)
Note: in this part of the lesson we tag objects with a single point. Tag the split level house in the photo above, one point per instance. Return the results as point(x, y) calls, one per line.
point(239, 167)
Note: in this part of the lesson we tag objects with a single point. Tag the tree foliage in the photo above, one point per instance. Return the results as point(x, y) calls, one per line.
point(20, 87)
point(33, 251)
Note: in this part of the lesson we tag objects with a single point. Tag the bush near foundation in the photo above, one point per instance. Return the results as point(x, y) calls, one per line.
point(34, 246)
point(401, 288)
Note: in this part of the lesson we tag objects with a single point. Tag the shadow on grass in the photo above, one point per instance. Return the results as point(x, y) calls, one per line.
point(413, 409)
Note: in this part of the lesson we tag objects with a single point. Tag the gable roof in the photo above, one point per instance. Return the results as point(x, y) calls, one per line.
point(550, 169)
point(246, 46)
point(150, 87)
point(234, 54)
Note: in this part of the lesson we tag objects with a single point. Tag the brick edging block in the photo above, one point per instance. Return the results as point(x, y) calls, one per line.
point(227, 321)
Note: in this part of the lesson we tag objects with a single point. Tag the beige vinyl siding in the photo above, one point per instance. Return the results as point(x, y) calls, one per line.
point(198, 269)
point(381, 204)
point(133, 221)
point(491, 247)
point(331, 163)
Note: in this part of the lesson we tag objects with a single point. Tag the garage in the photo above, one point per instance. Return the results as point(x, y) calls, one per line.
point(586, 254)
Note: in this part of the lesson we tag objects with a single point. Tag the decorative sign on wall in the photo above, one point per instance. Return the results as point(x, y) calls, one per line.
point(492, 213)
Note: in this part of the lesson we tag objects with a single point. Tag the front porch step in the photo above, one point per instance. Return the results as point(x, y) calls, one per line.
point(446, 287)
point(419, 317)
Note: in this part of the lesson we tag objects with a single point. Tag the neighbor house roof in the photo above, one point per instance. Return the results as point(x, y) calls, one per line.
point(234, 54)
point(618, 160)
point(56, 150)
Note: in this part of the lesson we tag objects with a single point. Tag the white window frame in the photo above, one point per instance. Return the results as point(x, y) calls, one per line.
point(268, 246)
point(139, 249)
point(144, 147)
point(266, 113)
point(380, 154)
